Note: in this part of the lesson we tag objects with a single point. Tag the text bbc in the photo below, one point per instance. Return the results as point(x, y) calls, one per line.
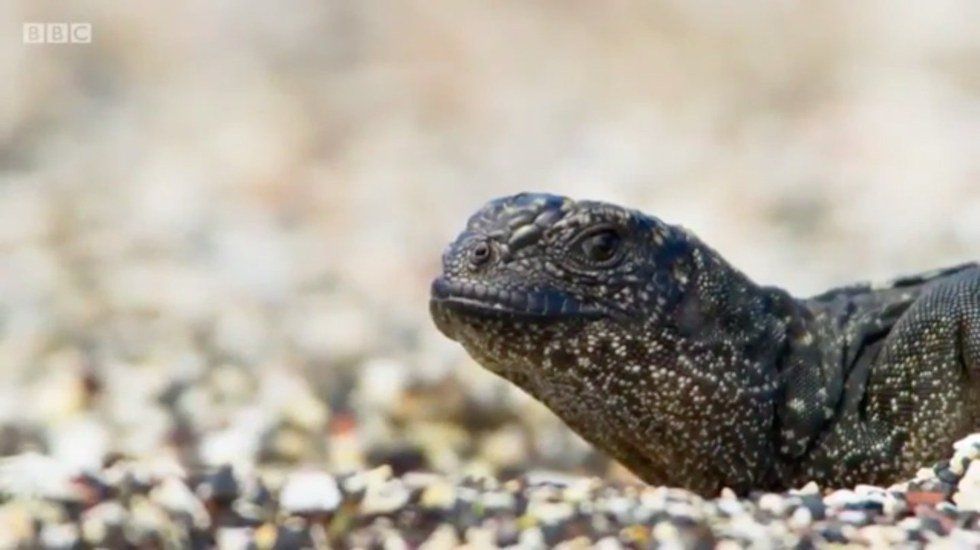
point(57, 33)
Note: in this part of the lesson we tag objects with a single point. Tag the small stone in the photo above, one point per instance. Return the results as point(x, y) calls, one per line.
point(962, 538)
point(238, 443)
point(175, 497)
point(61, 536)
point(969, 444)
point(219, 487)
point(549, 512)
point(16, 525)
point(479, 537)
point(924, 474)
point(421, 480)
point(578, 543)
point(774, 504)
point(307, 412)
point(293, 533)
point(815, 504)
point(810, 488)
point(730, 507)
point(357, 484)
point(32, 475)
point(854, 517)
point(309, 492)
point(442, 537)
point(840, 498)
point(265, 535)
point(498, 501)
point(967, 496)
point(146, 521)
point(103, 524)
point(895, 504)
point(946, 474)
point(801, 519)
point(234, 537)
point(79, 443)
point(928, 498)
point(384, 497)
point(959, 463)
point(532, 538)
point(608, 543)
point(667, 534)
point(636, 535)
point(881, 536)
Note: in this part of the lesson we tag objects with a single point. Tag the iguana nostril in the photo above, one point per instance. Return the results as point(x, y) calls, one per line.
point(440, 288)
point(480, 253)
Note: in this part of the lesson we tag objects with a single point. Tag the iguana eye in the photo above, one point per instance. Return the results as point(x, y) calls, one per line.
point(600, 246)
point(480, 254)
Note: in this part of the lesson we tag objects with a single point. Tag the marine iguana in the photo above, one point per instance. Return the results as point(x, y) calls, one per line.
point(656, 350)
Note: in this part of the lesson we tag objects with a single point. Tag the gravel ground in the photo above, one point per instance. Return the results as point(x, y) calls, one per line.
point(157, 503)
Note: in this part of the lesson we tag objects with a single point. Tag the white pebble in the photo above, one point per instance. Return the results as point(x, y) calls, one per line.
point(310, 492)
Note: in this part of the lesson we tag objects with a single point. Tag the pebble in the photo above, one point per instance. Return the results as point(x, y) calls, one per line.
point(309, 492)
point(219, 487)
point(384, 497)
point(967, 496)
point(33, 475)
point(174, 496)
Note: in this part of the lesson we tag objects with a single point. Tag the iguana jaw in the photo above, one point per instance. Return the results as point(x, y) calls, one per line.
point(453, 301)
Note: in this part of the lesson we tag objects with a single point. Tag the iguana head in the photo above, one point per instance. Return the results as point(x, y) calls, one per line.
point(533, 270)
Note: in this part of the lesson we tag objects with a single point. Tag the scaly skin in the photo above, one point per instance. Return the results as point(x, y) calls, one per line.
point(652, 347)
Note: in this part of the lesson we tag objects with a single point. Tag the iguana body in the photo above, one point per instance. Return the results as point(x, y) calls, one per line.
point(652, 347)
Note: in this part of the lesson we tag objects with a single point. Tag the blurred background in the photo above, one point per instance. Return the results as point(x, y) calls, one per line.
point(218, 221)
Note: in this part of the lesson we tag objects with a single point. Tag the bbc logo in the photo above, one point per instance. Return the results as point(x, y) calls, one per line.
point(57, 33)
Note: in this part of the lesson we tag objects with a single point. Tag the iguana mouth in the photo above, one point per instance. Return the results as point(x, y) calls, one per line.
point(485, 301)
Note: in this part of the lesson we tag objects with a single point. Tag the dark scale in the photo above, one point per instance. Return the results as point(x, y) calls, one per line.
point(652, 347)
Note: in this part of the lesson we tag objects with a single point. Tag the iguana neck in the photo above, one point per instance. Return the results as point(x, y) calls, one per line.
point(720, 306)
point(767, 346)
